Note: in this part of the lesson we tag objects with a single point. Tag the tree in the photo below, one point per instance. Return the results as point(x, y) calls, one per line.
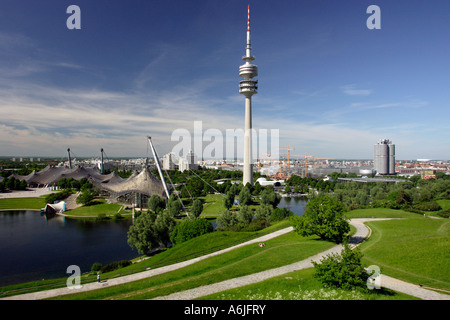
point(196, 209)
point(227, 219)
point(279, 214)
point(245, 197)
point(342, 270)
point(164, 225)
point(188, 229)
point(244, 216)
point(86, 196)
point(143, 235)
point(268, 196)
point(235, 189)
point(324, 217)
point(174, 206)
point(257, 189)
point(155, 202)
point(263, 212)
point(229, 200)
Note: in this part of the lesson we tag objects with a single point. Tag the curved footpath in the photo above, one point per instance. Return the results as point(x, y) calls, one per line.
point(362, 232)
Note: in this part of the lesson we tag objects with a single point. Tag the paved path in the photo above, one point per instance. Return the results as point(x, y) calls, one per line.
point(361, 233)
point(30, 193)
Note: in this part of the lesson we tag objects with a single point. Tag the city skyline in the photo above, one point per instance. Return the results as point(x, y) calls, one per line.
point(331, 86)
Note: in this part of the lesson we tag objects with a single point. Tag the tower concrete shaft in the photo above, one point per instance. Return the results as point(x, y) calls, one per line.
point(248, 87)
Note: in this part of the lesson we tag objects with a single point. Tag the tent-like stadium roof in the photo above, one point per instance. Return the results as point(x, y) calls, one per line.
point(143, 183)
point(51, 175)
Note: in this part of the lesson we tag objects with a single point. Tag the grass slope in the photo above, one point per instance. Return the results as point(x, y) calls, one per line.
point(280, 251)
point(98, 207)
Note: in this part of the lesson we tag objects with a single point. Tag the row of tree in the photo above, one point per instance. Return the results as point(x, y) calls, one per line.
point(413, 194)
point(12, 183)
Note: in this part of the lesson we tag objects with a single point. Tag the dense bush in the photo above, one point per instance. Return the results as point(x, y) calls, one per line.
point(96, 267)
point(227, 220)
point(342, 270)
point(263, 211)
point(189, 229)
point(279, 214)
point(428, 206)
point(52, 197)
point(255, 225)
point(444, 214)
point(115, 265)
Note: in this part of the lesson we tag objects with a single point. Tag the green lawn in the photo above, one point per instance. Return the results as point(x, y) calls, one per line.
point(414, 249)
point(445, 204)
point(213, 206)
point(99, 207)
point(280, 251)
point(22, 203)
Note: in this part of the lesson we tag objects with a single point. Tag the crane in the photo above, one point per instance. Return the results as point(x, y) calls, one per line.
point(306, 161)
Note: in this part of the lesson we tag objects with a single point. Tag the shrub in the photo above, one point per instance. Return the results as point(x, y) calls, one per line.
point(255, 225)
point(115, 265)
point(117, 216)
point(102, 216)
point(52, 197)
point(189, 229)
point(428, 206)
point(264, 211)
point(342, 270)
point(444, 214)
point(279, 214)
point(96, 267)
point(227, 220)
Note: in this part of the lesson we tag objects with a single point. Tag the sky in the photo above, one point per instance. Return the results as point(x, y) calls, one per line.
point(137, 68)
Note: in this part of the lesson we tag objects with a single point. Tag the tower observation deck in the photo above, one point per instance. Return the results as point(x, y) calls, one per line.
point(248, 71)
point(248, 87)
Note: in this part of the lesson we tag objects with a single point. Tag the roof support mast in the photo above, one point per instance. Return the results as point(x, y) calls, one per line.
point(155, 156)
point(70, 160)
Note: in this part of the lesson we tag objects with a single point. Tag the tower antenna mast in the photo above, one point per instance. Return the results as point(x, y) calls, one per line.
point(248, 87)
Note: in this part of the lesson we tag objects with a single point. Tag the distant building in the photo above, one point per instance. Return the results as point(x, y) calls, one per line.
point(384, 157)
point(189, 162)
point(168, 162)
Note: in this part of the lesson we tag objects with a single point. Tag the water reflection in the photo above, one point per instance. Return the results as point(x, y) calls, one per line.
point(35, 246)
point(296, 205)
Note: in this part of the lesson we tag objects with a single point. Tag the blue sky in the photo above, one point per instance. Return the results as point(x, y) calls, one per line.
point(329, 84)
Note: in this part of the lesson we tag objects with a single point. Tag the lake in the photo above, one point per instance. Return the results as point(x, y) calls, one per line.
point(296, 205)
point(33, 247)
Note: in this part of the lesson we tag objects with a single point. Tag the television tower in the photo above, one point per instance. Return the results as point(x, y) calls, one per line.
point(248, 87)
